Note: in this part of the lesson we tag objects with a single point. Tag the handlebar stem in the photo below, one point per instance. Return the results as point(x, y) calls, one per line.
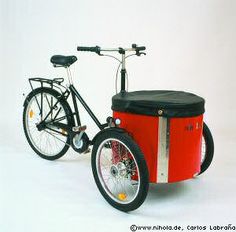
point(123, 61)
point(122, 51)
point(123, 73)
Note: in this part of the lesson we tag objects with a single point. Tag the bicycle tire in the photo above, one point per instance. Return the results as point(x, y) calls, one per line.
point(209, 151)
point(68, 114)
point(141, 193)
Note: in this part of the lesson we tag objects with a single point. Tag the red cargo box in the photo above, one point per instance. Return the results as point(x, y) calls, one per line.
point(167, 126)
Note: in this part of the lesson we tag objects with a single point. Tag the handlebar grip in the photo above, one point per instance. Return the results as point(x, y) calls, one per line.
point(95, 49)
point(142, 48)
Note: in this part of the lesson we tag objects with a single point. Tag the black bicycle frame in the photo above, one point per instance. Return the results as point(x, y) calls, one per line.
point(75, 94)
point(56, 121)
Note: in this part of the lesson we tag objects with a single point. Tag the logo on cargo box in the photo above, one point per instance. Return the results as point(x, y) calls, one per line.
point(190, 127)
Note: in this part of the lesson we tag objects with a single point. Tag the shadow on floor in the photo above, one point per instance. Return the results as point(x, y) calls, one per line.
point(166, 191)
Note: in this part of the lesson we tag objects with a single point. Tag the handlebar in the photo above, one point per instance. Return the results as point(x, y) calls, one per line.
point(89, 49)
point(98, 50)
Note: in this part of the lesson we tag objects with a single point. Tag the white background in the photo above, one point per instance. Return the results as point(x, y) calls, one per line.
point(190, 46)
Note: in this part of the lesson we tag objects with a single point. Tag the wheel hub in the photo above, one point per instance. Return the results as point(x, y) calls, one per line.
point(114, 171)
point(118, 170)
point(41, 126)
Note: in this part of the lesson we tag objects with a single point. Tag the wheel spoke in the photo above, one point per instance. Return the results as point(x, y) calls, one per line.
point(48, 143)
point(117, 173)
point(203, 150)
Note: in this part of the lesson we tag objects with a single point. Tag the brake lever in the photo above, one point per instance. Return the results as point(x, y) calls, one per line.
point(138, 53)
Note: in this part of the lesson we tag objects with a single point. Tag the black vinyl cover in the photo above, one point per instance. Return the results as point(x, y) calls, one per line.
point(165, 103)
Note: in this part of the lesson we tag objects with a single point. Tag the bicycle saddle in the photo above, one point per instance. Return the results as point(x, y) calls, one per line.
point(65, 61)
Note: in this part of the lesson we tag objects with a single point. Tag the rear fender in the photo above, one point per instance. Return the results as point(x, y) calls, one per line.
point(117, 129)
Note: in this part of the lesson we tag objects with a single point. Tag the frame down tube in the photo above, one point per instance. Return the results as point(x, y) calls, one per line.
point(75, 93)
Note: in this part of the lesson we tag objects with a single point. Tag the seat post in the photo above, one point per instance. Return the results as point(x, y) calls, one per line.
point(69, 75)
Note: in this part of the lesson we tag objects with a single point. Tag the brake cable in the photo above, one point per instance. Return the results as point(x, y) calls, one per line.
point(117, 71)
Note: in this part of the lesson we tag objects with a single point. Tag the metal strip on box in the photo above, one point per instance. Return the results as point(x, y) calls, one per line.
point(163, 150)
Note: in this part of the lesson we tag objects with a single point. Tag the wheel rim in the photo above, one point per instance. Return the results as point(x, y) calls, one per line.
point(203, 150)
point(118, 171)
point(47, 142)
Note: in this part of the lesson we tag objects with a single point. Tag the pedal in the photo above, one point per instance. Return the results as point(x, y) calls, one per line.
point(79, 128)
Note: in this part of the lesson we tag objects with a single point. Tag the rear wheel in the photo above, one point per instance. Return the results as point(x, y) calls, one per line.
point(120, 170)
point(207, 149)
point(51, 142)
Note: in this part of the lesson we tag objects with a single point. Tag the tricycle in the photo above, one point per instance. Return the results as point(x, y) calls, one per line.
point(153, 136)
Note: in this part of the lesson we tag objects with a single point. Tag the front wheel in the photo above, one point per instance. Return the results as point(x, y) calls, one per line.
point(207, 149)
point(120, 170)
